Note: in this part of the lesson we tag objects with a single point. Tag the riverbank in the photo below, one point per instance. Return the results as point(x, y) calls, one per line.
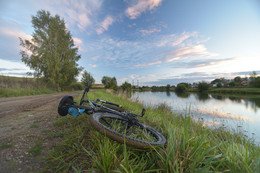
point(211, 90)
point(235, 90)
point(191, 147)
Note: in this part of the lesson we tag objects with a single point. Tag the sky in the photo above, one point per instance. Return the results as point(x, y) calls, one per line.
point(149, 42)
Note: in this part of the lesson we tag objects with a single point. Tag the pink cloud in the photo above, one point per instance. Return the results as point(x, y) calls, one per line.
point(140, 7)
point(14, 34)
point(109, 20)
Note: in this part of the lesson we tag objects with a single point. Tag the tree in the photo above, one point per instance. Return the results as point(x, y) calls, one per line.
point(253, 76)
point(126, 86)
point(203, 86)
point(87, 77)
point(51, 53)
point(168, 86)
point(109, 82)
point(181, 88)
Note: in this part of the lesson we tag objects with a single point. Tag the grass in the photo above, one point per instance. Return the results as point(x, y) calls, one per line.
point(5, 145)
point(191, 147)
point(36, 149)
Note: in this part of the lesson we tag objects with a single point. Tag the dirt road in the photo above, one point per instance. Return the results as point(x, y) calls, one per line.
point(25, 126)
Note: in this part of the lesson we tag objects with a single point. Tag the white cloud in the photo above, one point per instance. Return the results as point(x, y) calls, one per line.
point(12, 68)
point(78, 42)
point(184, 36)
point(84, 21)
point(196, 51)
point(76, 13)
point(109, 20)
point(14, 34)
point(140, 7)
point(148, 64)
point(177, 39)
point(139, 77)
point(149, 31)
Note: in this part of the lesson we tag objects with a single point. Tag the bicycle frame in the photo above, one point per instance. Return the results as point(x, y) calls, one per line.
point(130, 117)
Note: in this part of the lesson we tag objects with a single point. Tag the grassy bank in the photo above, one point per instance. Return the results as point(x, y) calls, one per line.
point(191, 147)
point(236, 90)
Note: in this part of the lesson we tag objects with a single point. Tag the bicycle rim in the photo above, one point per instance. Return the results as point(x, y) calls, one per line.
point(117, 128)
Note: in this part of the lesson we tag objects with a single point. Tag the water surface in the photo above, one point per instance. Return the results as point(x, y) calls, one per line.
point(239, 113)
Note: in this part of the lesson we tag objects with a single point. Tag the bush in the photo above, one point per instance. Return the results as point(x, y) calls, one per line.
point(126, 86)
point(203, 86)
point(181, 88)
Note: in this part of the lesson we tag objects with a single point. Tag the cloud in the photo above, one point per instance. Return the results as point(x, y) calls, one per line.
point(84, 21)
point(195, 51)
point(139, 77)
point(78, 42)
point(184, 36)
point(149, 31)
point(196, 77)
point(76, 13)
point(92, 65)
point(148, 64)
point(139, 7)
point(178, 39)
point(15, 34)
point(109, 20)
point(201, 63)
point(11, 68)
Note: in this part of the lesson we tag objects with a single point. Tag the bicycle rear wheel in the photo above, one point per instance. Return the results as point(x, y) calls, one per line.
point(117, 128)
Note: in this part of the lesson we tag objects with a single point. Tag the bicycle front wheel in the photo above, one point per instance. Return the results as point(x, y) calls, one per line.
point(117, 128)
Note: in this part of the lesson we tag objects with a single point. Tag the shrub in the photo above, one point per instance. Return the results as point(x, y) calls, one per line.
point(181, 88)
point(203, 86)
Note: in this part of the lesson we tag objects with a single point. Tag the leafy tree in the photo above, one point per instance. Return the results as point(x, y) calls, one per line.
point(219, 85)
point(181, 88)
point(126, 86)
point(237, 79)
point(168, 86)
point(203, 86)
point(51, 53)
point(87, 77)
point(109, 82)
point(253, 76)
point(216, 81)
point(256, 82)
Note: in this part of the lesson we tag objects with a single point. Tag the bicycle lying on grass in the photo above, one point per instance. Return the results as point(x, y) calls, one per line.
point(113, 121)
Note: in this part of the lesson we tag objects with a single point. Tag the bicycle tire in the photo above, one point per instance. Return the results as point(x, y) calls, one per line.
point(119, 137)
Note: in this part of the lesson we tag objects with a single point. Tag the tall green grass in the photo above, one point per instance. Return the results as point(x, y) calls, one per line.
point(191, 147)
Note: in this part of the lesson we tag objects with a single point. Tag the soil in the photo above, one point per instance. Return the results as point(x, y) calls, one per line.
point(25, 126)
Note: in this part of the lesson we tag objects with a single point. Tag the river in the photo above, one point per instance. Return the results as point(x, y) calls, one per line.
point(236, 113)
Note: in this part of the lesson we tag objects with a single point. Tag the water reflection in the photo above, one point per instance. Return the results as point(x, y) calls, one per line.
point(182, 94)
point(229, 111)
point(202, 96)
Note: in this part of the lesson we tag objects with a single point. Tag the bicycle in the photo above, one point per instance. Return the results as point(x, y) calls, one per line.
point(113, 121)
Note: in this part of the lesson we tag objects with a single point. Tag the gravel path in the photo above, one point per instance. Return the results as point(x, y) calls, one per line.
point(27, 132)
